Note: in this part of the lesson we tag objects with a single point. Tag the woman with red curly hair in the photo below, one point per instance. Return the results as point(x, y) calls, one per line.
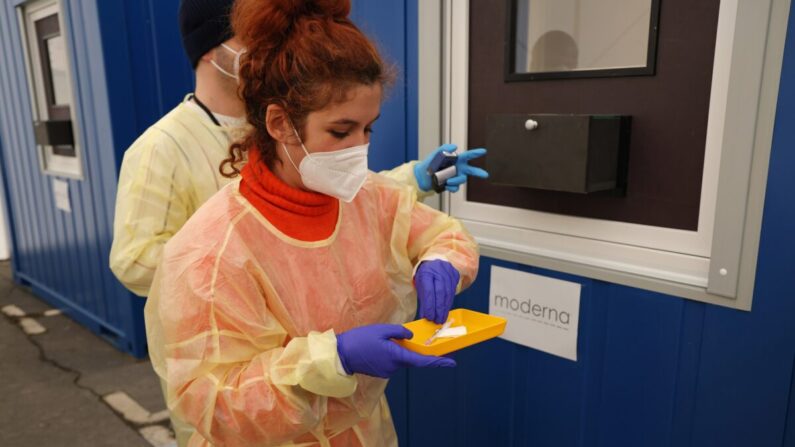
point(272, 314)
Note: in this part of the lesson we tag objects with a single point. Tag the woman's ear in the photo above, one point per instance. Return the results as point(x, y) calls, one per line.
point(279, 125)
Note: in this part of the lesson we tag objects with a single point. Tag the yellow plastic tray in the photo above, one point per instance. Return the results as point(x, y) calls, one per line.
point(480, 327)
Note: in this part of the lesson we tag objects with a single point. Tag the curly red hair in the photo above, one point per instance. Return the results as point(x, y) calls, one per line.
point(301, 55)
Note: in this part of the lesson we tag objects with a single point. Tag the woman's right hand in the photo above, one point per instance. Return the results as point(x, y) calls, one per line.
point(369, 350)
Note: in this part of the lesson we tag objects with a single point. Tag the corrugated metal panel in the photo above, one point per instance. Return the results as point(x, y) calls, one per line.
point(385, 23)
point(150, 72)
point(64, 256)
point(653, 370)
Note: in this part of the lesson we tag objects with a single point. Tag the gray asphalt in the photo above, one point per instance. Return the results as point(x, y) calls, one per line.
point(53, 384)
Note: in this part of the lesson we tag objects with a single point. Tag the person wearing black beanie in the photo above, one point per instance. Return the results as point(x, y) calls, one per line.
point(173, 167)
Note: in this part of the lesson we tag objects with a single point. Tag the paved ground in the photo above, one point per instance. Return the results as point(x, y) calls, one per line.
point(63, 386)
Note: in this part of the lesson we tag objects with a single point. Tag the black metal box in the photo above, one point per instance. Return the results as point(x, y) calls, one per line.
point(571, 153)
point(53, 133)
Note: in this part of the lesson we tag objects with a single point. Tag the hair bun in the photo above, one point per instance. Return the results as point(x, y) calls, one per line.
point(259, 21)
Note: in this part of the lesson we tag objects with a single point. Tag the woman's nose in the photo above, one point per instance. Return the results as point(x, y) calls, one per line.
point(362, 138)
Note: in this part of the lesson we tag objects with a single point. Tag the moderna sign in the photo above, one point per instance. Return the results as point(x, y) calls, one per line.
point(543, 313)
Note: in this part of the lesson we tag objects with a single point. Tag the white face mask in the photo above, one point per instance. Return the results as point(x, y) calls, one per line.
point(339, 174)
point(235, 64)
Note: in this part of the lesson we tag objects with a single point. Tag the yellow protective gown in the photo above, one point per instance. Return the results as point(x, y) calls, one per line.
point(166, 174)
point(241, 319)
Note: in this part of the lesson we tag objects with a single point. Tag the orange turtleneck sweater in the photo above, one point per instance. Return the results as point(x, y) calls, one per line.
point(303, 215)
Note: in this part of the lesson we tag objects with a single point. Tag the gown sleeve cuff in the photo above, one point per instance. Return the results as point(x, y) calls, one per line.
point(323, 374)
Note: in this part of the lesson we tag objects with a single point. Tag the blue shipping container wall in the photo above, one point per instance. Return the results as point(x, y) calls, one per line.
point(652, 370)
point(63, 256)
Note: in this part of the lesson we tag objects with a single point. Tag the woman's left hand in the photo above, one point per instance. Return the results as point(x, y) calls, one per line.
point(463, 169)
point(436, 283)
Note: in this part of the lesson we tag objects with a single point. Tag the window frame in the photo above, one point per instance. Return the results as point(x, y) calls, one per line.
point(511, 75)
point(50, 162)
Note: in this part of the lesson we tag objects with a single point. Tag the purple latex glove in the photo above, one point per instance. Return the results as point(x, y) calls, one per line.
point(369, 350)
point(436, 282)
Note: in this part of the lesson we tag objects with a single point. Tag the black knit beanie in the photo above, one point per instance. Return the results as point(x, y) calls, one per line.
point(204, 24)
